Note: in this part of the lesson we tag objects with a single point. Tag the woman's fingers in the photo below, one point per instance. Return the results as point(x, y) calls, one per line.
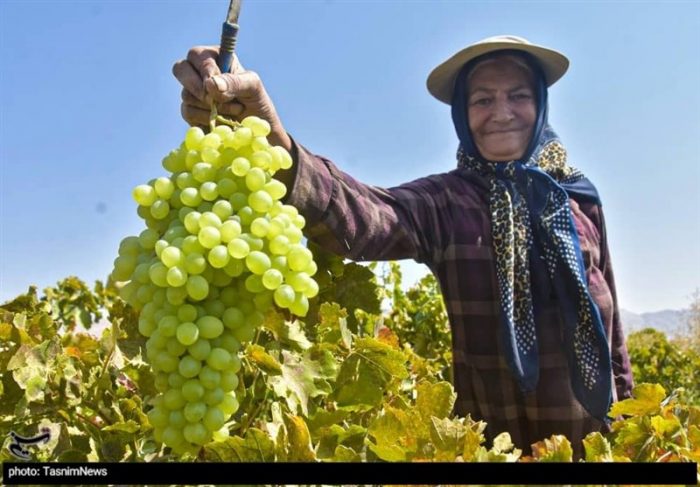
point(233, 108)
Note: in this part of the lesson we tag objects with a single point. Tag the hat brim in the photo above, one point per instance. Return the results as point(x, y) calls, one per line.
point(442, 79)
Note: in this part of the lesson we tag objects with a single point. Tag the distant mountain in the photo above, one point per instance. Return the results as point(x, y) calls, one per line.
point(669, 321)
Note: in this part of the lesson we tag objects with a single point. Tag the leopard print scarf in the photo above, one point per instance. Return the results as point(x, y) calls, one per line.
point(531, 216)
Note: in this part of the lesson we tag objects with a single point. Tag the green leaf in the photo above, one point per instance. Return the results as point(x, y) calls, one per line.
point(129, 426)
point(435, 399)
point(360, 385)
point(597, 448)
point(447, 436)
point(287, 332)
point(333, 324)
point(345, 454)
point(263, 360)
point(556, 448)
point(296, 384)
point(646, 399)
point(473, 438)
point(299, 440)
point(256, 446)
point(393, 439)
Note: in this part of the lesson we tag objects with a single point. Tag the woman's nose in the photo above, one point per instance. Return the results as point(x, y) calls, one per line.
point(502, 111)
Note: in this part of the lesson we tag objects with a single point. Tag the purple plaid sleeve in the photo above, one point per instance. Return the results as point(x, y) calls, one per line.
point(444, 221)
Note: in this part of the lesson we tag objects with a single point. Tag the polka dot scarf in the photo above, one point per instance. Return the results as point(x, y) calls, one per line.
point(531, 219)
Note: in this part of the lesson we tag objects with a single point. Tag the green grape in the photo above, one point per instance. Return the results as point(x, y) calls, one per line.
point(272, 279)
point(253, 283)
point(257, 262)
point(193, 138)
point(238, 200)
point(203, 171)
point(275, 189)
point(238, 248)
point(209, 237)
point(218, 257)
point(175, 348)
point(261, 159)
point(312, 289)
point(176, 277)
point(299, 257)
point(210, 219)
point(187, 333)
point(146, 326)
point(311, 269)
point(209, 377)
point(214, 396)
point(190, 245)
point(129, 245)
point(165, 362)
point(176, 295)
point(229, 230)
point(189, 367)
point(219, 359)
point(255, 243)
point(164, 187)
point(221, 279)
point(229, 381)
point(191, 221)
point(196, 433)
point(233, 318)
point(229, 405)
point(158, 274)
point(255, 179)
point(210, 327)
point(284, 296)
point(223, 131)
point(279, 262)
point(173, 399)
point(213, 419)
point(144, 194)
point(190, 197)
point(185, 180)
point(161, 245)
point(200, 349)
point(222, 209)
point(195, 263)
point(192, 390)
point(208, 191)
point(234, 268)
point(124, 266)
point(226, 187)
point(300, 306)
point(148, 238)
point(240, 166)
point(175, 380)
point(244, 333)
point(172, 436)
point(195, 411)
point(263, 301)
point(260, 144)
point(211, 140)
point(279, 245)
point(172, 256)
point(293, 234)
point(197, 287)
point(260, 201)
point(158, 417)
point(258, 126)
point(214, 307)
point(242, 137)
point(168, 325)
point(299, 221)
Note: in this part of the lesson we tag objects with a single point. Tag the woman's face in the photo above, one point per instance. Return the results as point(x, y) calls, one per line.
point(502, 109)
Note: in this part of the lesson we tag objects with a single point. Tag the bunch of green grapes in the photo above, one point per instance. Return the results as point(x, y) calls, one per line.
point(220, 249)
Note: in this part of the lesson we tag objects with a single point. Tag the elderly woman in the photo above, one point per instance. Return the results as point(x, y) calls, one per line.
point(515, 236)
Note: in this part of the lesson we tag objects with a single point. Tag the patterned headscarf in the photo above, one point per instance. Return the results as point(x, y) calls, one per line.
point(531, 219)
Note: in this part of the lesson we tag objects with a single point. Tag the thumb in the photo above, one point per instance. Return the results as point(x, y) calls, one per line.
point(225, 87)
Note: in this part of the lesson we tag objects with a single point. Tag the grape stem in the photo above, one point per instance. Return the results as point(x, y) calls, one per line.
point(214, 117)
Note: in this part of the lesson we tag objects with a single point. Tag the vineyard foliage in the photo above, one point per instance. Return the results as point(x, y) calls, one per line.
point(365, 376)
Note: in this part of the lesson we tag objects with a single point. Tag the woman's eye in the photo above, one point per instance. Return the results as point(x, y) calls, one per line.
point(521, 96)
point(482, 102)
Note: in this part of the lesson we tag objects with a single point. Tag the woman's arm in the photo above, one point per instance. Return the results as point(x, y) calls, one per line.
point(365, 222)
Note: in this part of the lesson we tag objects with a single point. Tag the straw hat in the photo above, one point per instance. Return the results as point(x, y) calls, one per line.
point(442, 79)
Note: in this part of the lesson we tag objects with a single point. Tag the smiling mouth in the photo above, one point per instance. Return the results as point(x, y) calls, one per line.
point(497, 132)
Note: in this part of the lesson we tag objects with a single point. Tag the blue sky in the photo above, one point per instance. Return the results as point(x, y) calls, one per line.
point(88, 108)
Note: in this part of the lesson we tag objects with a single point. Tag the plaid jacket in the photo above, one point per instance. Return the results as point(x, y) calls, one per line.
point(443, 221)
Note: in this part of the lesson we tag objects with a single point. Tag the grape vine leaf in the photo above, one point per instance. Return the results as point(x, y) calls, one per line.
point(447, 436)
point(256, 446)
point(435, 399)
point(297, 384)
point(298, 440)
point(646, 399)
point(393, 434)
point(263, 360)
point(597, 448)
point(285, 331)
point(556, 448)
